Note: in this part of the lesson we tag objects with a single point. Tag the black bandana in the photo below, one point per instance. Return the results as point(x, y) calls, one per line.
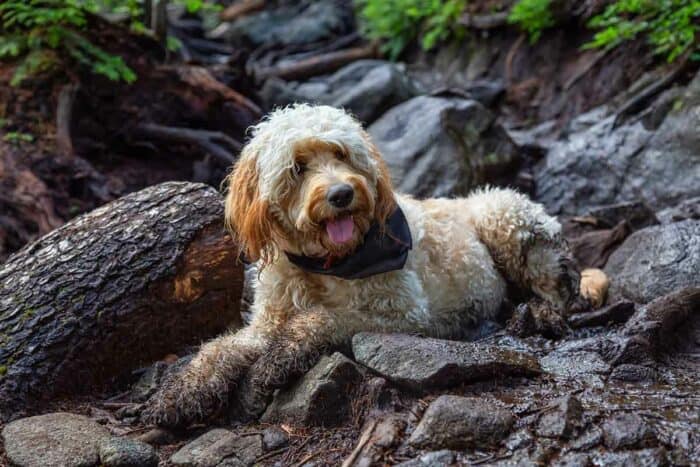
point(377, 254)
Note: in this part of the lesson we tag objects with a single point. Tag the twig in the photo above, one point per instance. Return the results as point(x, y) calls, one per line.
point(577, 77)
point(511, 56)
point(314, 454)
point(364, 439)
point(270, 454)
point(219, 145)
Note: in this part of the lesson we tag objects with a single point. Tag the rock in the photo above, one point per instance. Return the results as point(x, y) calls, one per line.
point(657, 457)
point(444, 458)
point(605, 164)
point(437, 146)
point(520, 439)
point(616, 313)
point(627, 431)
point(321, 398)
point(366, 88)
point(637, 214)
point(563, 421)
point(148, 383)
point(420, 363)
point(219, 447)
point(537, 318)
point(632, 373)
point(157, 437)
point(455, 422)
point(655, 261)
point(305, 22)
point(573, 459)
point(125, 452)
point(590, 439)
point(377, 437)
point(274, 438)
point(687, 209)
point(593, 249)
point(53, 440)
point(574, 364)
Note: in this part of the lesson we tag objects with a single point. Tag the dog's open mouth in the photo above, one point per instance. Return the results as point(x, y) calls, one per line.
point(340, 229)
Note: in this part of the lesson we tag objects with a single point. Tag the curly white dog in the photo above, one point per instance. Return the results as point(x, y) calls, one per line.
point(340, 252)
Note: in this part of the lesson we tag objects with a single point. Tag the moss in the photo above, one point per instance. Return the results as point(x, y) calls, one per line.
point(28, 314)
point(3, 370)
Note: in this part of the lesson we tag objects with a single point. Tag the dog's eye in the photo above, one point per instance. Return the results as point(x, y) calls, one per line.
point(298, 168)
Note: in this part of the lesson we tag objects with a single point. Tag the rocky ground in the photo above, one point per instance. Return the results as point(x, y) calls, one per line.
point(595, 139)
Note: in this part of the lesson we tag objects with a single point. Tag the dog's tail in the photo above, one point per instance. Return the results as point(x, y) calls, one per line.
point(594, 286)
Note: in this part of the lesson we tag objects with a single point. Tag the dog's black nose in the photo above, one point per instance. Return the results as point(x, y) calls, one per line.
point(340, 195)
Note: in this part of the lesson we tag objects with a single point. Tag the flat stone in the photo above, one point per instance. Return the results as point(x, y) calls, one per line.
point(322, 397)
point(574, 364)
point(626, 431)
point(421, 363)
point(57, 439)
point(219, 447)
point(632, 373)
point(454, 422)
point(563, 420)
point(125, 452)
point(443, 458)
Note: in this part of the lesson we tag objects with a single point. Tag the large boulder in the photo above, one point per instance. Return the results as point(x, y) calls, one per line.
point(367, 88)
point(655, 261)
point(606, 163)
point(420, 363)
point(54, 440)
point(437, 146)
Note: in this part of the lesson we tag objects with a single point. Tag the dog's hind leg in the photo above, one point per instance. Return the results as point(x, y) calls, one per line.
point(526, 244)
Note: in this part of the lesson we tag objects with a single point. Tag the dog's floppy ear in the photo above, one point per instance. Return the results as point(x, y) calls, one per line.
point(385, 203)
point(246, 214)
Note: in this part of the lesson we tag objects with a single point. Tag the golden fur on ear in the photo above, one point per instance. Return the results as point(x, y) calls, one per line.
point(385, 203)
point(246, 215)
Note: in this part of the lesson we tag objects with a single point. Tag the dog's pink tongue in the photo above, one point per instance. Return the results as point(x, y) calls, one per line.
point(340, 230)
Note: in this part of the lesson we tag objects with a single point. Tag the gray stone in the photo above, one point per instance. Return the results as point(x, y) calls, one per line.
point(274, 438)
point(573, 364)
point(322, 397)
point(437, 146)
point(573, 459)
point(444, 458)
point(589, 439)
point(605, 164)
point(656, 457)
point(632, 373)
point(366, 88)
point(563, 420)
point(687, 209)
point(655, 261)
point(219, 447)
point(520, 439)
point(421, 363)
point(627, 431)
point(56, 439)
point(455, 422)
point(148, 383)
point(301, 23)
point(125, 452)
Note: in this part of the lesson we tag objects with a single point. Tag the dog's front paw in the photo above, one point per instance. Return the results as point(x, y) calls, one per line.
point(179, 403)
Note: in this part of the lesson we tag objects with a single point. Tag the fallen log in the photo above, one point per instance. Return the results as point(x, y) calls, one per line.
point(141, 277)
point(318, 65)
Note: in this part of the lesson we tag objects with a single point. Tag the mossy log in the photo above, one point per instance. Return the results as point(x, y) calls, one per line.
point(141, 277)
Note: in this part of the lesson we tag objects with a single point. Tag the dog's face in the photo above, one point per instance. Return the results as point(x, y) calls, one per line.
point(309, 182)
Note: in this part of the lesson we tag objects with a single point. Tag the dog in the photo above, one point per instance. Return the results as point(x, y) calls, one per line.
point(339, 252)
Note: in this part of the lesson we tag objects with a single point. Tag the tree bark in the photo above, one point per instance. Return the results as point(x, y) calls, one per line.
point(140, 277)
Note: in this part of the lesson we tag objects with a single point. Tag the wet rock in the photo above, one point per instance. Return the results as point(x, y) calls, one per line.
point(520, 439)
point(53, 440)
point(642, 458)
point(455, 422)
point(589, 439)
point(616, 313)
point(568, 364)
point(444, 458)
point(304, 22)
point(367, 88)
point(603, 164)
point(125, 452)
point(632, 373)
point(377, 437)
point(437, 146)
point(321, 398)
point(563, 420)
point(219, 447)
point(637, 214)
point(655, 261)
point(687, 209)
point(627, 431)
point(274, 438)
point(420, 363)
point(573, 459)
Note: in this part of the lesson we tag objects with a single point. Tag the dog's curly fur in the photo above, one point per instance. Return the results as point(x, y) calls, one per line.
point(465, 250)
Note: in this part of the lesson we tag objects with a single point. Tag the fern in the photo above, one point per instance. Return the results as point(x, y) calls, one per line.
point(397, 23)
point(533, 16)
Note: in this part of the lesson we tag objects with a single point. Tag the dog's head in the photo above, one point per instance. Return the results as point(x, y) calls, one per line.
point(309, 182)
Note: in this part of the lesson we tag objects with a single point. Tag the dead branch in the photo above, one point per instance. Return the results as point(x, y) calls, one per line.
point(219, 145)
point(240, 9)
point(64, 117)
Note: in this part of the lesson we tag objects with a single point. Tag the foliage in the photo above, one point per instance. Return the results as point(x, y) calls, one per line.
point(671, 27)
point(399, 22)
point(533, 16)
point(46, 34)
point(17, 137)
